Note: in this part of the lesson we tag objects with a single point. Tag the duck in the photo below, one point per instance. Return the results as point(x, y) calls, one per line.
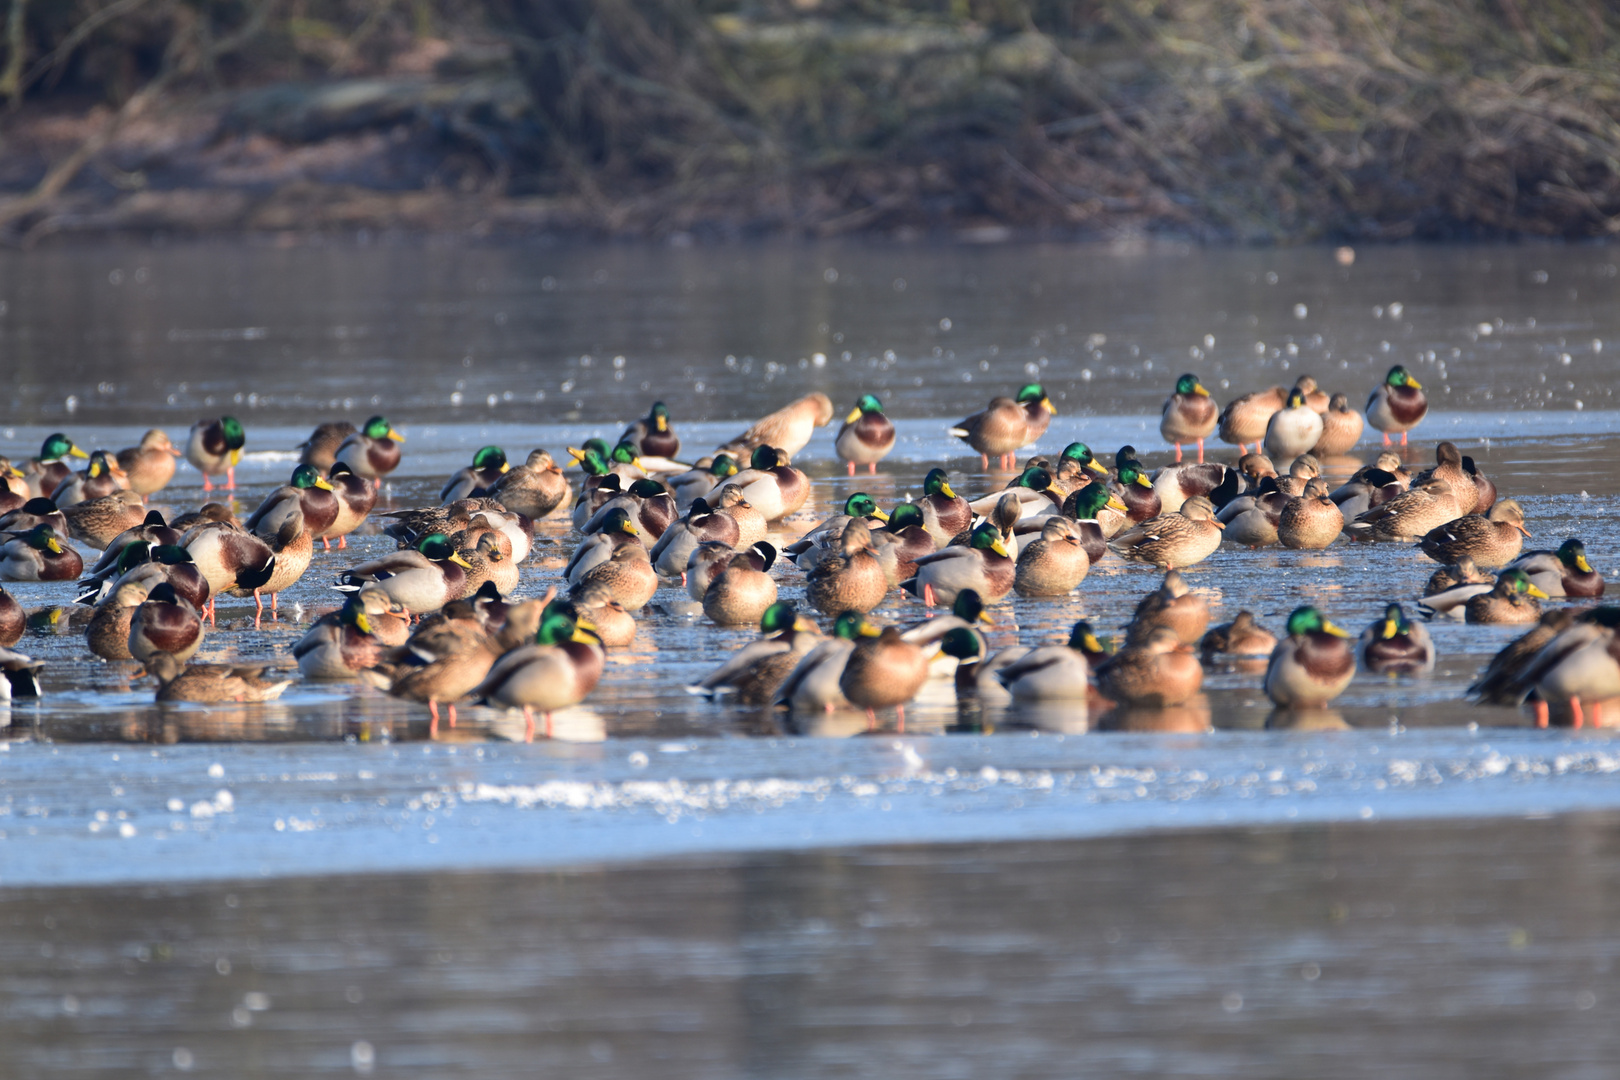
point(342, 645)
point(1171, 541)
point(19, 676)
point(616, 531)
point(1301, 471)
point(1315, 396)
point(1007, 425)
point(815, 683)
point(488, 465)
point(1409, 515)
point(1341, 428)
point(1175, 484)
point(1579, 666)
point(628, 574)
point(209, 512)
point(1172, 605)
point(1461, 572)
point(983, 564)
point(1293, 429)
point(372, 452)
point(149, 465)
point(711, 557)
point(1371, 485)
point(279, 523)
point(901, 542)
point(756, 671)
point(1449, 466)
point(770, 484)
point(108, 631)
point(421, 579)
point(215, 447)
point(1513, 601)
point(977, 676)
point(1251, 520)
point(596, 492)
point(178, 681)
point(739, 594)
point(149, 565)
point(1055, 564)
point(866, 437)
point(700, 481)
point(1397, 405)
point(536, 489)
point(1484, 485)
point(1033, 490)
point(945, 513)
point(441, 663)
point(1499, 683)
point(1050, 673)
point(851, 580)
point(1564, 572)
point(13, 488)
point(1491, 540)
point(488, 563)
point(649, 505)
point(1133, 488)
point(42, 474)
point(883, 671)
point(1452, 600)
point(613, 626)
point(967, 613)
point(701, 524)
point(1087, 507)
point(13, 620)
point(654, 437)
point(99, 522)
point(1310, 522)
point(1242, 644)
point(31, 514)
point(558, 670)
point(1312, 665)
point(165, 623)
point(39, 555)
point(1157, 671)
point(100, 478)
point(1073, 468)
point(1189, 415)
point(788, 429)
point(356, 496)
point(1245, 418)
point(320, 449)
point(1395, 646)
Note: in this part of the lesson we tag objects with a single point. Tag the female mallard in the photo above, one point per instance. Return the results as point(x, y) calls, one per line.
point(488, 465)
point(628, 575)
point(149, 465)
point(13, 488)
point(654, 437)
point(1461, 572)
point(711, 557)
point(1293, 429)
point(901, 542)
point(487, 562)
point(1055, 564)
point(739, 594)
point(1171, 605)
point(536, 489)
point(100, 478)
point(355, 496)
point(617, 531)
point(883, 672)
point(1397, 405)
point(1454, 469)
point(1394, 646)
point(13, 619)
point(44, 473)
point(214, 447)
point(98, 522)
point(1491, 540)
point(701, 525)
point(373, 451)
point(1341, 428)
point(756, 671)
point(1315, 397)
point(165, 623)
point(594, 602)
point(108, 631)
point(38, 555)
point(853, 579)
point(945, 513)
point(340, 647)
point(421, 579)
point(320, 449)
point(1007, 425)
point(558, 670)
point(1242, 644)
point(771, 485)
point(700, 481)
point(982, 565)
point(1155, 672)
point(788, 428)
point(1245, 418)
point(866, 437)
point(1514, 601)
point(1311, 522)
point(1184, 538)
point(1411, 514)
point(1094, 508)
point(1312, 665)
point(1071, 470)
point(1189, 415)
point(212, 682)
point(440, 663)
point(1564, 572)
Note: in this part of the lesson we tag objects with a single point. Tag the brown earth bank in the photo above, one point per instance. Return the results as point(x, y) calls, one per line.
point(1221, 120)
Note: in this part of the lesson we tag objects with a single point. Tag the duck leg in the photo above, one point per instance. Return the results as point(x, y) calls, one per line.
point(1576, 720)
point(452, 708)
point(1597, 707)
point(1403, 438)
point(343, 542)
point(852, 468)
point(258, 608)
point(1200, 450)
point(208, 484)
point(1387, 441)
point(528, 723)
point(928, 595)
point(1541, 713)
point(871, 720)
point(871, 468)
point(900, 711)
point(1178, 453)
point(327, 542)
point(230, 478)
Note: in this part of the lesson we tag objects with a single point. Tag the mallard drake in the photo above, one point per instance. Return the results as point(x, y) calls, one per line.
point(1245, 418)
point(821, 542)
point(853, 579)
point(420, 579)
point(700, 481)
point(230, 557)
point(1499, 683)
point(1293, 429)
point(488, 465)
point(945, 513)
point(1564, 572)
point(883, 671)
point(355, 496)
point(901, 542)
point(1341, 428)
point(967, 612)
point(977, 676)
point(1312, 665)
point(98, 522)
point(866, 437)
point(1055, 564)
point(1156, 672)
point(701, 524)
point(1394, 646)
point(1184, 538)
point(214, 447)
point(1088, 507)
point(340, 646)
point(1398, 404)
point(373, 451)
point(813, 684)
point(1312, 521)
point(594, 602)
point(536, 489)
point(1242, 644)
point(164, 623)
point(97, 480)
point(788, 428)
point(1579, 666)
point(44, 473)
point(1052, 672)
point(1132, 487)
point(1251, 520)
point(1175, 484)
point(558, 670)
point(756, 671)
point(628, 575)
point(19, 676)
point(1409, 515)
point(1033, 489)
point(1007, 425)
point(1071, 470)
point(654, 437)
point(320, 449)
point(1513, 601)
point(649, 505)
point(771, 485)
point(13, 619)
point(983, 565)
point(149, 465)
point(617, 530)
point(1491, 540)
point(108, 631)
point(39, 555)
point(441, 663)
point(739, 594)
point(280, 523)
point(1171, 605)
point(32, 514)
point(1370, 486)
point(149, 565)
point(1189, 415)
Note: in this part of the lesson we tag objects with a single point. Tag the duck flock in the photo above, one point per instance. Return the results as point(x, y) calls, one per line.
point(718, 540)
